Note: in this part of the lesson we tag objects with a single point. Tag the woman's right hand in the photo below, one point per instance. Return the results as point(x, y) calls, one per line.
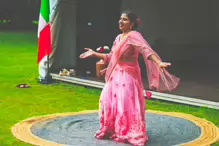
point(103, 72)
point(89, 53)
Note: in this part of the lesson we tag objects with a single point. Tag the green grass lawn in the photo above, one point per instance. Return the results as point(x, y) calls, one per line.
point(18, 53)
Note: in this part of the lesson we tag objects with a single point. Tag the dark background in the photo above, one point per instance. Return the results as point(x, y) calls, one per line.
point(19, 14)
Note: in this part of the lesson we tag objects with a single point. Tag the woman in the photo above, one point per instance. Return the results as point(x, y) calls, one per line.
point(122, 104)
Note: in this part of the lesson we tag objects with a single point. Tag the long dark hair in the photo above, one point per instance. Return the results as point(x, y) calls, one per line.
point(133, 18)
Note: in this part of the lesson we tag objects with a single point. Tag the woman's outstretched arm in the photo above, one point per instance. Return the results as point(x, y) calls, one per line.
point(158, 62)
point(99, 55)
point(90, 53)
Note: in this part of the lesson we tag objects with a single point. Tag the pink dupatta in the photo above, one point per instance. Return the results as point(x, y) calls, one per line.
point(161, 80)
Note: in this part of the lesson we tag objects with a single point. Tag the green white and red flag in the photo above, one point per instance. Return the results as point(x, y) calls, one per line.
point(44, 34)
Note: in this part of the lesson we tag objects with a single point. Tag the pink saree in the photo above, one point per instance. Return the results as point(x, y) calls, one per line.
point(122, 104)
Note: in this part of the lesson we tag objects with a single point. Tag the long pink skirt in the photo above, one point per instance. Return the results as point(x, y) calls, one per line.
point(122, 110)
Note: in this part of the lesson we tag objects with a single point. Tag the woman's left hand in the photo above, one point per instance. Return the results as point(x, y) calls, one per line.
point(164, 65)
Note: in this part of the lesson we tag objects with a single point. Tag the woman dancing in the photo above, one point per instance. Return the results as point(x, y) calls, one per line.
point(122, 104)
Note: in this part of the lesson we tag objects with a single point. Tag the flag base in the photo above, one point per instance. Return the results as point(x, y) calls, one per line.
point(46, 80)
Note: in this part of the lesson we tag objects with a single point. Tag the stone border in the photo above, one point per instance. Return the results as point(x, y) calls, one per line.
point(22, 130)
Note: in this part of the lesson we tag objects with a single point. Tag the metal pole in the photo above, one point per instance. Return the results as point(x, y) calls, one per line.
point(48, 78)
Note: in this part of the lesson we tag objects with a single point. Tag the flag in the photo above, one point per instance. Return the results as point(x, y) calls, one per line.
point(44, 34)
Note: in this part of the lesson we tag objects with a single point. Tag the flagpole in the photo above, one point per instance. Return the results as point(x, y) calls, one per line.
point(48, 77)
point(45, 45)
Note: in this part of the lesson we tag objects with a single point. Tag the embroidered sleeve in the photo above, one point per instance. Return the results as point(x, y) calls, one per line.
point(143, 48)
point(144, 51)
point(107, 57)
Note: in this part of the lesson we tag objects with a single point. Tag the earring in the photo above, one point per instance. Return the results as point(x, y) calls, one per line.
point(130, 27)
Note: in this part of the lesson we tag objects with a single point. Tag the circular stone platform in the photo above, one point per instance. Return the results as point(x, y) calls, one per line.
point(166, 129)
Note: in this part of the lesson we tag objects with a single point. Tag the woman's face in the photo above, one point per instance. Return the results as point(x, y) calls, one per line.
point(124, 23)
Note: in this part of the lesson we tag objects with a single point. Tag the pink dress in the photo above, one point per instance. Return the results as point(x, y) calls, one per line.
point(122, 104)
